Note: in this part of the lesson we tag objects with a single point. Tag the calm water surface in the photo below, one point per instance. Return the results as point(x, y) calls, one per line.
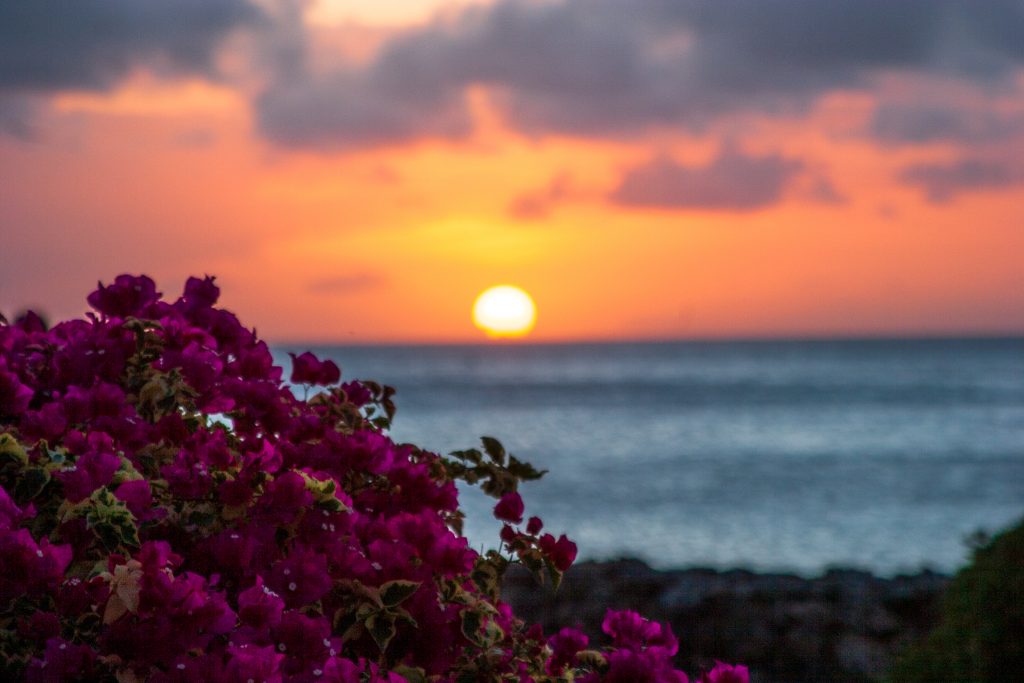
point(770, 455)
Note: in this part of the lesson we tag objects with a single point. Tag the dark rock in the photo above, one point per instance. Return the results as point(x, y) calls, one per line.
point(844, 626)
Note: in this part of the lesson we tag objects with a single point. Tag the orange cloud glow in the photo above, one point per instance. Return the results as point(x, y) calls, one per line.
point(393, 241)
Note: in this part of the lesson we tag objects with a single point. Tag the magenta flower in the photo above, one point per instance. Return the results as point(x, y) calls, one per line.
point(628, 666)
point(562, 552)
point(128, 295)
point(247, 533)
point(301, 578)
point(14, 396)
point(138, 497)
point(49, 422)
point(631, 631)
point(356, 393)
point(564, 646)
point(200, 293)
point(284, 500)
point(249, 663)
point(306, 369)
point(304, 638)
point(726, 673)
point(259, 607)
point(61, 661)
point(30, 567)
point(510, 508)
point(91, 471)
point(10, 514)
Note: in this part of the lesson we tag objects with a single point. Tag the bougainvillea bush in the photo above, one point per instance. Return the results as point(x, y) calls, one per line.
point(171, 511)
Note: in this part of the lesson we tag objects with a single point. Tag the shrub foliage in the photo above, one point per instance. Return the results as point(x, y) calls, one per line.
point(981, 634)
point(171, 511)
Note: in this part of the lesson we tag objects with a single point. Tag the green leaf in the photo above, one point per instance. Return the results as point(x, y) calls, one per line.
point(592, 659)
point(324, 493)
point(394, 593)
point(382, 629)
point(524, 470)
point(12, 451)
point(403, 616)
point(111, 521)
point(413, 675)
point(554, 573)
point(494, 449)
point(30, 484)
point(472, 622)
point(493, 633)
point(346, 622)
point(471, 455)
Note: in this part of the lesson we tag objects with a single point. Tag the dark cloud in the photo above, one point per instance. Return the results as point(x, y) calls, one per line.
point(620, 67)
point(732, 181)
point(916, 123)
point(941, 182)
point(50, 45)
point(346, 284)
point(16, 115)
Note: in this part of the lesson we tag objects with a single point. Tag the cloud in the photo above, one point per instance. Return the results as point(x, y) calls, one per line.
point(824, 191)
point(49, 45)
point(536, 205)
point(346, 284)
point(622, 67)
point(917, 123)
point(941, 182)
point(732, 181)
point(16, 116)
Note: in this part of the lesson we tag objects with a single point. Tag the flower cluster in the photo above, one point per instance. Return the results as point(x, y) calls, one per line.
point(171, 511)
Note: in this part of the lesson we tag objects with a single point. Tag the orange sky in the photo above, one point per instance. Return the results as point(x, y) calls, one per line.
point(174, 174)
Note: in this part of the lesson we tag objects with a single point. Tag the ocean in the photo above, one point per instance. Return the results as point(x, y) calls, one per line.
point(797, 456)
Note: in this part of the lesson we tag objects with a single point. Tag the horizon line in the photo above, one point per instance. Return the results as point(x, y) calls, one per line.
point(1008, 335)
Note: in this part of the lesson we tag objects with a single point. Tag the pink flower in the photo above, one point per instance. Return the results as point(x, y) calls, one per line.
point(91, 471)
point(129, 295)
point(358, 394)
point(10, 514)
point(138, 497)
point(14, 396)
point(306, 369)
point(254, 663)
point(510, 508)
point(726, 673)
point(200, 293)
point(49, 422)
point(260, 607)
point(631, 631)
point(30, 567)
point(564, 646)
point(562, 552)
point(301, 578)
point(61, 661)
point(279, 522)
point(302, 637)
point(534, 525)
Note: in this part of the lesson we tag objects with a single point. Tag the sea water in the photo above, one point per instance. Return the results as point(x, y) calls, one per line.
point(771, 455)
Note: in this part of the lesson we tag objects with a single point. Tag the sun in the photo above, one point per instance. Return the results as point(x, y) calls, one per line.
point(504, 311)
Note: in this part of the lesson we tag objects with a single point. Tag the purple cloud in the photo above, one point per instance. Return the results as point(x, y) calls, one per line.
point(732, 181)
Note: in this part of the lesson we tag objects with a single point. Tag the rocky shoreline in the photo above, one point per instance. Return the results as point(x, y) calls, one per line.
point(845, 626)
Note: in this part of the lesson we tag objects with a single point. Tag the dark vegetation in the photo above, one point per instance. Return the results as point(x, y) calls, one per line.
point(981, 633)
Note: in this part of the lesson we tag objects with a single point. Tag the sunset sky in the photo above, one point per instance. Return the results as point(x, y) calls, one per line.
point(356, 171)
